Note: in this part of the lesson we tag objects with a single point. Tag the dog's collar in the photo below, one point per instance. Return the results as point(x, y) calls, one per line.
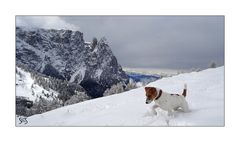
point(159, 94)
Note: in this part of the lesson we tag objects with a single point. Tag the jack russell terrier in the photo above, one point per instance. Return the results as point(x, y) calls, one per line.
point(166, 101)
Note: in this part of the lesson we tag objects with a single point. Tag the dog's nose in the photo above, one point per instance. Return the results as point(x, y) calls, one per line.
point(146, 102)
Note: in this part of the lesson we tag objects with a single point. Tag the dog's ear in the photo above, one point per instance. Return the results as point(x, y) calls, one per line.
point(150, 89)
point(147, 88)
point(151, 92)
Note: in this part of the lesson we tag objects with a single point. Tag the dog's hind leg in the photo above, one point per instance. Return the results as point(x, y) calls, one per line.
point(185, 107)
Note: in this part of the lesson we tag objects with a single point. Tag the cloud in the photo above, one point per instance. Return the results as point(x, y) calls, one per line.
point(148, 41)
point(47, 22)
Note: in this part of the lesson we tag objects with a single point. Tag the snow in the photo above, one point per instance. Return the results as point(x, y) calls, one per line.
point(98, 73)
point(80, 73)
point(87, 42)
point(25, 86)
point(24, 82)
point(205, 97)
point(95, 50)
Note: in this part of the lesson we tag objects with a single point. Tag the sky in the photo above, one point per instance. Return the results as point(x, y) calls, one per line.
point(169, 42)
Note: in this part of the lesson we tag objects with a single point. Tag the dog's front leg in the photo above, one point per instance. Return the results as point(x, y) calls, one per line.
point(153, 109)
point(170, 113)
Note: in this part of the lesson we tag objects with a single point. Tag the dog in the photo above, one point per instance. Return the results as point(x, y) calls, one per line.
point(166, 101)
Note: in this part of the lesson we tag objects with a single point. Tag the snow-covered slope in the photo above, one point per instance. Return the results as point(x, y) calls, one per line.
point(205, 97)
point(25, 87)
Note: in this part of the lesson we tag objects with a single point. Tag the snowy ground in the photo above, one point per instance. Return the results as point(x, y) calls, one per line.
point(205, 97)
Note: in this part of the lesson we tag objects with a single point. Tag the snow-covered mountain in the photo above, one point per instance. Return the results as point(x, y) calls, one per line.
point(25, 87)
point(158, 71)
point(205, 97)
point(65, 55)
point(28, 92)
point(142, 78)
point(37, 93)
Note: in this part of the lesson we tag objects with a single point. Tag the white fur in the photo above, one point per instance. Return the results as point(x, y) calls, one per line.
point(170, 102)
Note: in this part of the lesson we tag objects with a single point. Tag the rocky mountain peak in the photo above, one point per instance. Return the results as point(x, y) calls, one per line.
point(65, 55)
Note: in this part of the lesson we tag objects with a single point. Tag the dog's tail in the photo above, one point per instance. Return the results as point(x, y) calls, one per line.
point(185, 90)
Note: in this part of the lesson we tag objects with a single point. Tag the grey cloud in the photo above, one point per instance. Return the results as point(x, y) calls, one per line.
point(157, 41)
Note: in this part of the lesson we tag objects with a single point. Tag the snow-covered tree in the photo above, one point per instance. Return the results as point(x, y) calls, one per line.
point(131, 85)
point(212, 65)
point(94, 42)
point(120, 87)
point(42, 105)
point(77, 98)
point(117, 88)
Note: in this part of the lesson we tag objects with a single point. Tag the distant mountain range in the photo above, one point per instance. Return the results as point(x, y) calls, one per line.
point(143, 78)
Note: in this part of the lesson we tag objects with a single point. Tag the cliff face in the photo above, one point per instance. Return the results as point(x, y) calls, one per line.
point(63, 54)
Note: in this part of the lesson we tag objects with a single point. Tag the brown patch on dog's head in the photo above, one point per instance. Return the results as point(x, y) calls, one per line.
point(151, 92)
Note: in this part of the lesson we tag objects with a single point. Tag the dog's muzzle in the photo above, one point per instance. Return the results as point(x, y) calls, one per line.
point(148, 101)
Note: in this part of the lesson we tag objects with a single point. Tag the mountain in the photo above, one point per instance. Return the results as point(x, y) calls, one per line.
point(25, 87)
point(142, 78)
point(37, 93)
point(205, 97)
point(65, 55)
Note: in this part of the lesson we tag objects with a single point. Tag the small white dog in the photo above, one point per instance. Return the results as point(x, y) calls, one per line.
point(166, 101)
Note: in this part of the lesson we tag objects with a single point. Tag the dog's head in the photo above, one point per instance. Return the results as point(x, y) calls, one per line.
point(151, 93)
